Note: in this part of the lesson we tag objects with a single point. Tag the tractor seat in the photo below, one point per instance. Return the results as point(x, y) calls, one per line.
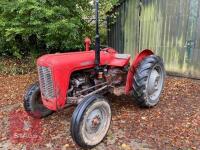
point(122, 56)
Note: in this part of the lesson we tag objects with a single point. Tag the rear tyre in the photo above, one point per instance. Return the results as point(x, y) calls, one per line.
point(33, 102)
point(91, 121)
point(148, 81)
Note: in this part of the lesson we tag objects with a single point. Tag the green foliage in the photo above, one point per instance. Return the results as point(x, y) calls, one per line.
point(42, 26)
point(104, 7)
point(29, 25)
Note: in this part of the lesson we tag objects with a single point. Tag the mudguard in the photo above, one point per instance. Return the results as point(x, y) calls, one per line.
point(139, 57)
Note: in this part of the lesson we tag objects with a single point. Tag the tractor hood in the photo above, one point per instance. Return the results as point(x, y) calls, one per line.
point(80, 60)
point(69, 60)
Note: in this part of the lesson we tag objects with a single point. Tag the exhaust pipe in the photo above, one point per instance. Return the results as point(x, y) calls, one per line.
point(97, 37)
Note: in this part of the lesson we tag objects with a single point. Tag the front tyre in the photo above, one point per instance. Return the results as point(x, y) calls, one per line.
point(148, 81)
point(91, 121)
point(33, 102)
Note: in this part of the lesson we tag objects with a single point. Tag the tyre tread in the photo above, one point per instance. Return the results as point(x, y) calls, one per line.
point(140, 79)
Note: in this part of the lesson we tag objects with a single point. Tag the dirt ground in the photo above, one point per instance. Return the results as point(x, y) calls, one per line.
point(174, 124)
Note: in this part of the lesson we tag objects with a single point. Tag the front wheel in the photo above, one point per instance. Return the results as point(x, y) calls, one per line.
point(148, 81)
point(33, 102)
point(90, 121)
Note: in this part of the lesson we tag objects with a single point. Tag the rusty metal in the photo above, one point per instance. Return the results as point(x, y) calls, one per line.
point(90, 88)
point(79, 97)
point(92, 93)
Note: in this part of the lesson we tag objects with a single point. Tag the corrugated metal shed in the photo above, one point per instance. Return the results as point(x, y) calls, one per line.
point(171, 28)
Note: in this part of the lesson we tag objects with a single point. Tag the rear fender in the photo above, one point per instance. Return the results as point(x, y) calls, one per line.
point(139, 57)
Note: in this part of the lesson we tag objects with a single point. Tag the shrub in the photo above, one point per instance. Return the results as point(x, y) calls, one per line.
point(35, 26)
point(46, 26)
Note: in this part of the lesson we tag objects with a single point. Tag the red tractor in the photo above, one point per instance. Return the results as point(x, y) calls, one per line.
point(83, 78)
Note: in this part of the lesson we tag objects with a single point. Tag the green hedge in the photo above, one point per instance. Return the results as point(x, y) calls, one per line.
point(41, 26)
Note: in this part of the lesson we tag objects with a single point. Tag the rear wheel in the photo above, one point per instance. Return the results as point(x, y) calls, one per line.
point(33, 102)
point(148, 81)
point(91, 121)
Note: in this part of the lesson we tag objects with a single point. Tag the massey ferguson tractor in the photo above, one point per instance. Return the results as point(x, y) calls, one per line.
point(83, 78)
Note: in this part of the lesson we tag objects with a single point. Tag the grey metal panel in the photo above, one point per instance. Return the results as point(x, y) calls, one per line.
point(176, 26)
point(171, 28)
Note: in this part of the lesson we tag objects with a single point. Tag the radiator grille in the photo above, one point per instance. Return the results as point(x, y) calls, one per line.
point(46, 83)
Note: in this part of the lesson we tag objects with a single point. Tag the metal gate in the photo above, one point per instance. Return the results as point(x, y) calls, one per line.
point(171, 28)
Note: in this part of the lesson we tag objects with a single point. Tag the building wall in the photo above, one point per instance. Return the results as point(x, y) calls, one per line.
point(171, 28)
point(123, 30)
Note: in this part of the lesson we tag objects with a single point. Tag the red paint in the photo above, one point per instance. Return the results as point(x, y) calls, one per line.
point(87, 44)
point(139, 57)
point(63, 65)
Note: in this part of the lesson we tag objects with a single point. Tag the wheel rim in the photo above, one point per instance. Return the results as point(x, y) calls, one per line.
point(96, 123)
point(155, 83)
